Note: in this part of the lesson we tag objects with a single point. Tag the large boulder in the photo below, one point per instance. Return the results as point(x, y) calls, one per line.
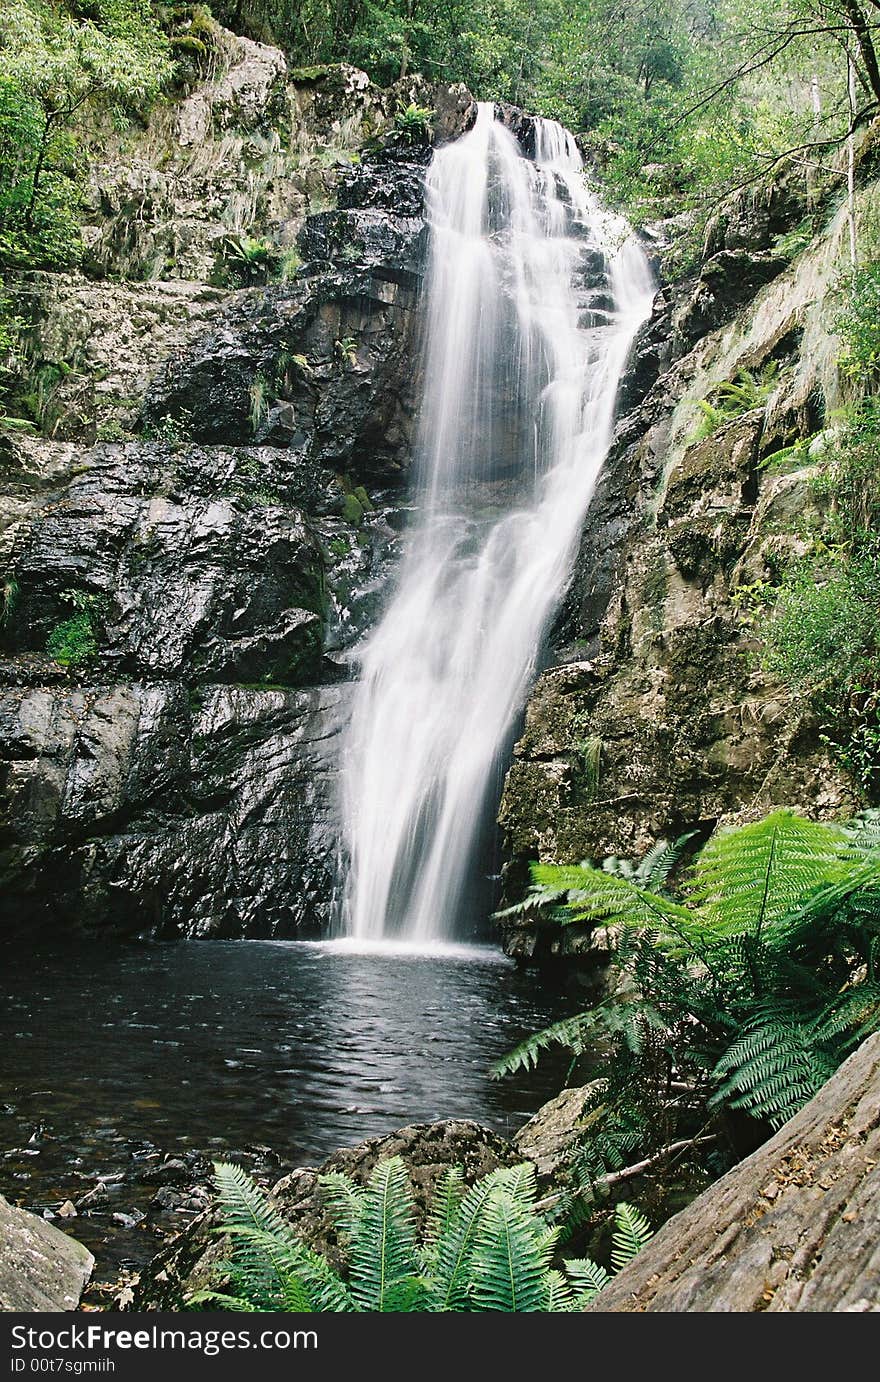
point(42, 1270)
point(791, 1228)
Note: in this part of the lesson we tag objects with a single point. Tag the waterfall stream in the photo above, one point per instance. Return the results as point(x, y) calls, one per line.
point(533, 296)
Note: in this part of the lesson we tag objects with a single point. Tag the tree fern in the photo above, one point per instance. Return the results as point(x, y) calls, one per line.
point(597, 896)
point(746, 994)
point(746, 881)
point(571, 1033)
point(774, 1067)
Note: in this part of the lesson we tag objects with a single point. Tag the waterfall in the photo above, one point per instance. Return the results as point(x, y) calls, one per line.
point(533, 296)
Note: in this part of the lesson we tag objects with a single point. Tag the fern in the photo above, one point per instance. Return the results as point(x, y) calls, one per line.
point(511, 1259)
point(382, 1254)
point(631, 1232)
point(453, 1254)
point(746, 994)
point(587, 1277)
point(748, 880)
point(270, 1266)
point(774, 1067)
point(487, 1249)
point(571, 1033)
point(597, 896)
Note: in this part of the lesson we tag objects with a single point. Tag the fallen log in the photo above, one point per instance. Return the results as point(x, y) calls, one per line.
point(796, 1226)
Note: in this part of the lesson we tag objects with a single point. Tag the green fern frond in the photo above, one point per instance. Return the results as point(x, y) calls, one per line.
point(748, 879)
point(560, 1297)
point(773, 1069)
point(449, 1285)
point(597, 896)
point(520, 1182)
point(852, 1016)
point(344, 1200)
point(445, 1208)
point(587, 1278)
point(571, 1033)
point(631, 1232)
point(270, 1264)
point(512, 1258)
point(383, 1256)
point(661, 859)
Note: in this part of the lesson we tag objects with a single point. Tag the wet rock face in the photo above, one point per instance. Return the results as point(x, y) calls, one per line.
point(654, 716)
point(153, 808)
point(144, 538)
point(191, 559)
point(169, 706)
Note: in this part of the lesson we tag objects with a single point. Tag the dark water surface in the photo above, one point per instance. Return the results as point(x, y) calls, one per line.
point(107, 1055)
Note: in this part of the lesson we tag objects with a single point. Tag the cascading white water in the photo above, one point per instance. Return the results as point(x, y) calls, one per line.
point(533, 296)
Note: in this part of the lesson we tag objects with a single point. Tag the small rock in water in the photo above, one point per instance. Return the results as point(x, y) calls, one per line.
point(129, 1220)
point(97, 1195)
point(170, 1172)
point(168, 1198)
point(49, 1214)
point(67, 1210)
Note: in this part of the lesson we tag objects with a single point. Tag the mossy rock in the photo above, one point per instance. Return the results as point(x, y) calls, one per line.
point(353, 510)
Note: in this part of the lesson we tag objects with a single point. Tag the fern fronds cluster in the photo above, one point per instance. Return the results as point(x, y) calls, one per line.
point(486, 1248)
point(743, 992)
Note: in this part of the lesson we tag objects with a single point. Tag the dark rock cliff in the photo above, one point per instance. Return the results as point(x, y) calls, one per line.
point(205, 524)
point(653, 716)
point(189, 548)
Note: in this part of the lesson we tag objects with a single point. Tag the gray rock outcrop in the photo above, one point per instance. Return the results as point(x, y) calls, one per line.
point(42, 1270)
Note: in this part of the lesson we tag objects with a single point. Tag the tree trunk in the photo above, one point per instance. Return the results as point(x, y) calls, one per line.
point(862, 31)
point(38, 169)
point(793, 1227)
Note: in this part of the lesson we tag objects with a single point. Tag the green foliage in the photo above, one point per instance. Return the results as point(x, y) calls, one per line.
point(734, 397)
point(170, 430)
point(76, 639)
point(819, 623)
point(55, 65)
point(414, 123)
point(859, 327)
point(346, 351)
point(744, 992)
point(248, 259)
point(486, 1248)
point(631, 1233)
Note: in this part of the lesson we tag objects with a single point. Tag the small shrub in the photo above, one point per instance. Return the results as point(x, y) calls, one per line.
point(413, 123)
point(75, 640)
point(734, 397)
point(170, 430)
